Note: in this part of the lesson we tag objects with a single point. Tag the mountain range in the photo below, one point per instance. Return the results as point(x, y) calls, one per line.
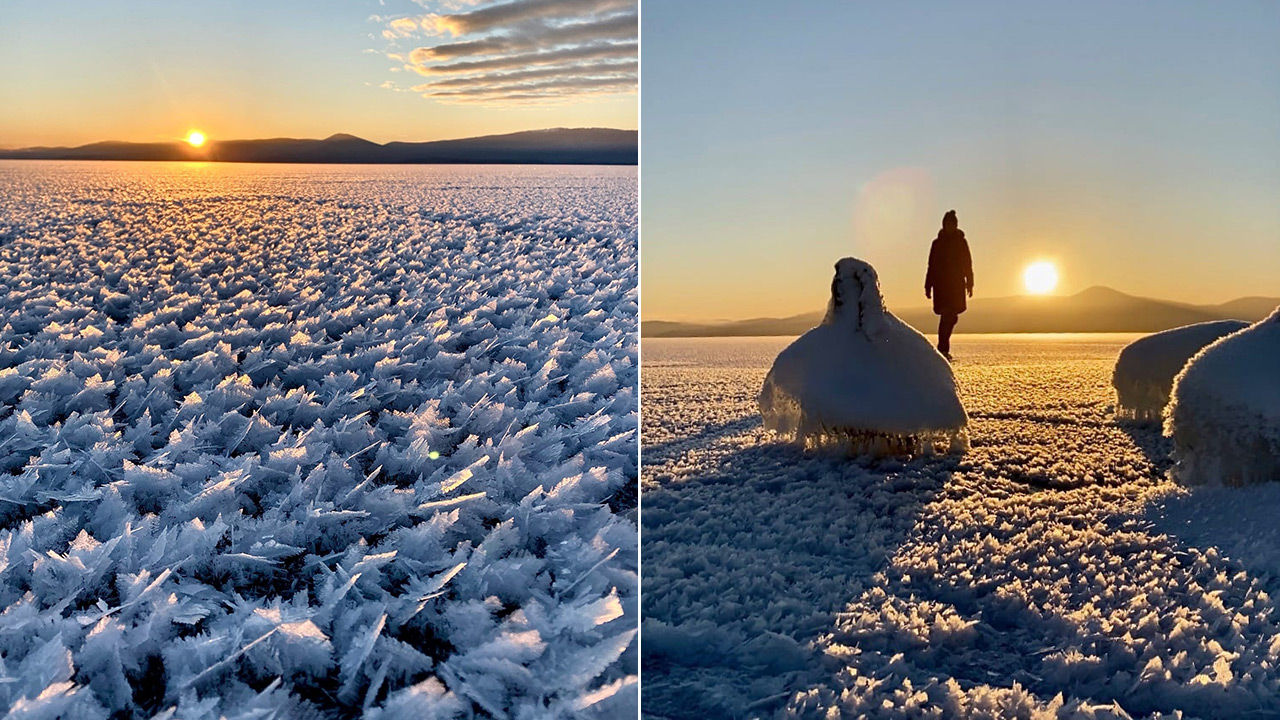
point(558, 146)
point(1097, 309)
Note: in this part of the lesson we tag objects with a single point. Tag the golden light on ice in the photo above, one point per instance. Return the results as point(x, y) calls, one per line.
point(195, 138)
point(1040, 277)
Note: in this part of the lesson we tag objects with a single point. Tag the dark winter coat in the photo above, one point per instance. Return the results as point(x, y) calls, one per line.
point(950, 272)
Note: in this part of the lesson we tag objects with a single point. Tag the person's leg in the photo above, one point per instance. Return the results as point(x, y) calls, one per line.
point(946, 324)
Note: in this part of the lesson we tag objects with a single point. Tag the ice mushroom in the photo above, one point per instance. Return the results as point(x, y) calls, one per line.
point(1224, 412)
point(1144, 371)
point(863, 380)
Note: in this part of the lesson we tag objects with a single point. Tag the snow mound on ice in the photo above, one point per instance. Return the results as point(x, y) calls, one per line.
point(1144, 371)
point(1224, 415)
point(863, 379)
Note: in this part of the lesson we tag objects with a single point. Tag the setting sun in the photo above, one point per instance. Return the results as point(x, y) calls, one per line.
point(195, 138)
point(1040, 277)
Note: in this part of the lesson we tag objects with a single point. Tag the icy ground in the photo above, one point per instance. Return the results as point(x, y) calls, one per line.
point(1053, 571)
point(300, 442)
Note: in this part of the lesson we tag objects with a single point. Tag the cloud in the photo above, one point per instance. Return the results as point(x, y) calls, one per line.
point(549, 88)
point(452, 5)
point(624, 68)
point(508, 62)
point(506, 15)
point(524, 51)
point(546, 84)
point(535, 98)
point(400, 27)
point(541, 35)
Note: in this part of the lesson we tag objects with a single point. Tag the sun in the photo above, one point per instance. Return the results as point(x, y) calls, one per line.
point(1040, 277)
point(195, 138)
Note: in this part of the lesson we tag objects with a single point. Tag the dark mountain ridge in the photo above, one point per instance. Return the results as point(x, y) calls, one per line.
point(1096, 309)
point(559, 146)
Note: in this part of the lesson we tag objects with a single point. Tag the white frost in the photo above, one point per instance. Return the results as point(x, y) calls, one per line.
point(863, 379)
point(1053, 571)
point(1224, 415)
point(297, 442)
point(1144, 371)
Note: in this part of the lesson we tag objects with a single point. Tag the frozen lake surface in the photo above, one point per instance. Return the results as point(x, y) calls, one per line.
point(1052, 571)
point(317, 441)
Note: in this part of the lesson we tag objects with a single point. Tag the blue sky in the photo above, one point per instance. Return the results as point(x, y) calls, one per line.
point(1133, 148)
point(78, 71)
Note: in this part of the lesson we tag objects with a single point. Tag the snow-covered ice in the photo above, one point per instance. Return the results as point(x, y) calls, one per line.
point(863, 380)
point(1144, 372)
point(304, 442)
point(1224, 412)
point(1053, 571)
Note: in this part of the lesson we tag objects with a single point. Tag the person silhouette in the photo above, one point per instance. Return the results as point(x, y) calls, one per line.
point(949, 277)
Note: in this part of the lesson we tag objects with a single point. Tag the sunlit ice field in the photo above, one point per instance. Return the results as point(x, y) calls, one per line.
point(317, 441)
point(1051, 572)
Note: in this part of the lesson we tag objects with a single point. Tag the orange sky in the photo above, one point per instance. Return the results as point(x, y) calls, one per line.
point(82, 72)
point(1137, 150)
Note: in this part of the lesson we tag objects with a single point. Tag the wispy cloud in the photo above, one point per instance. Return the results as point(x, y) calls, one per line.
point(400, 27)
point(574, 55)
point(538, 88)
point(541, 35)
point(624, 69)
point(549, 51)
point(503, 16)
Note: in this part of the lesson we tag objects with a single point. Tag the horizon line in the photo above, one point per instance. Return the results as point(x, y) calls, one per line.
point(210, 140)
point(926, 306)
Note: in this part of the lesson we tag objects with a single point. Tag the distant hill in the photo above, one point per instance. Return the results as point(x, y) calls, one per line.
point(1097, 309)
point(560, 146)
point(1250, 308)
